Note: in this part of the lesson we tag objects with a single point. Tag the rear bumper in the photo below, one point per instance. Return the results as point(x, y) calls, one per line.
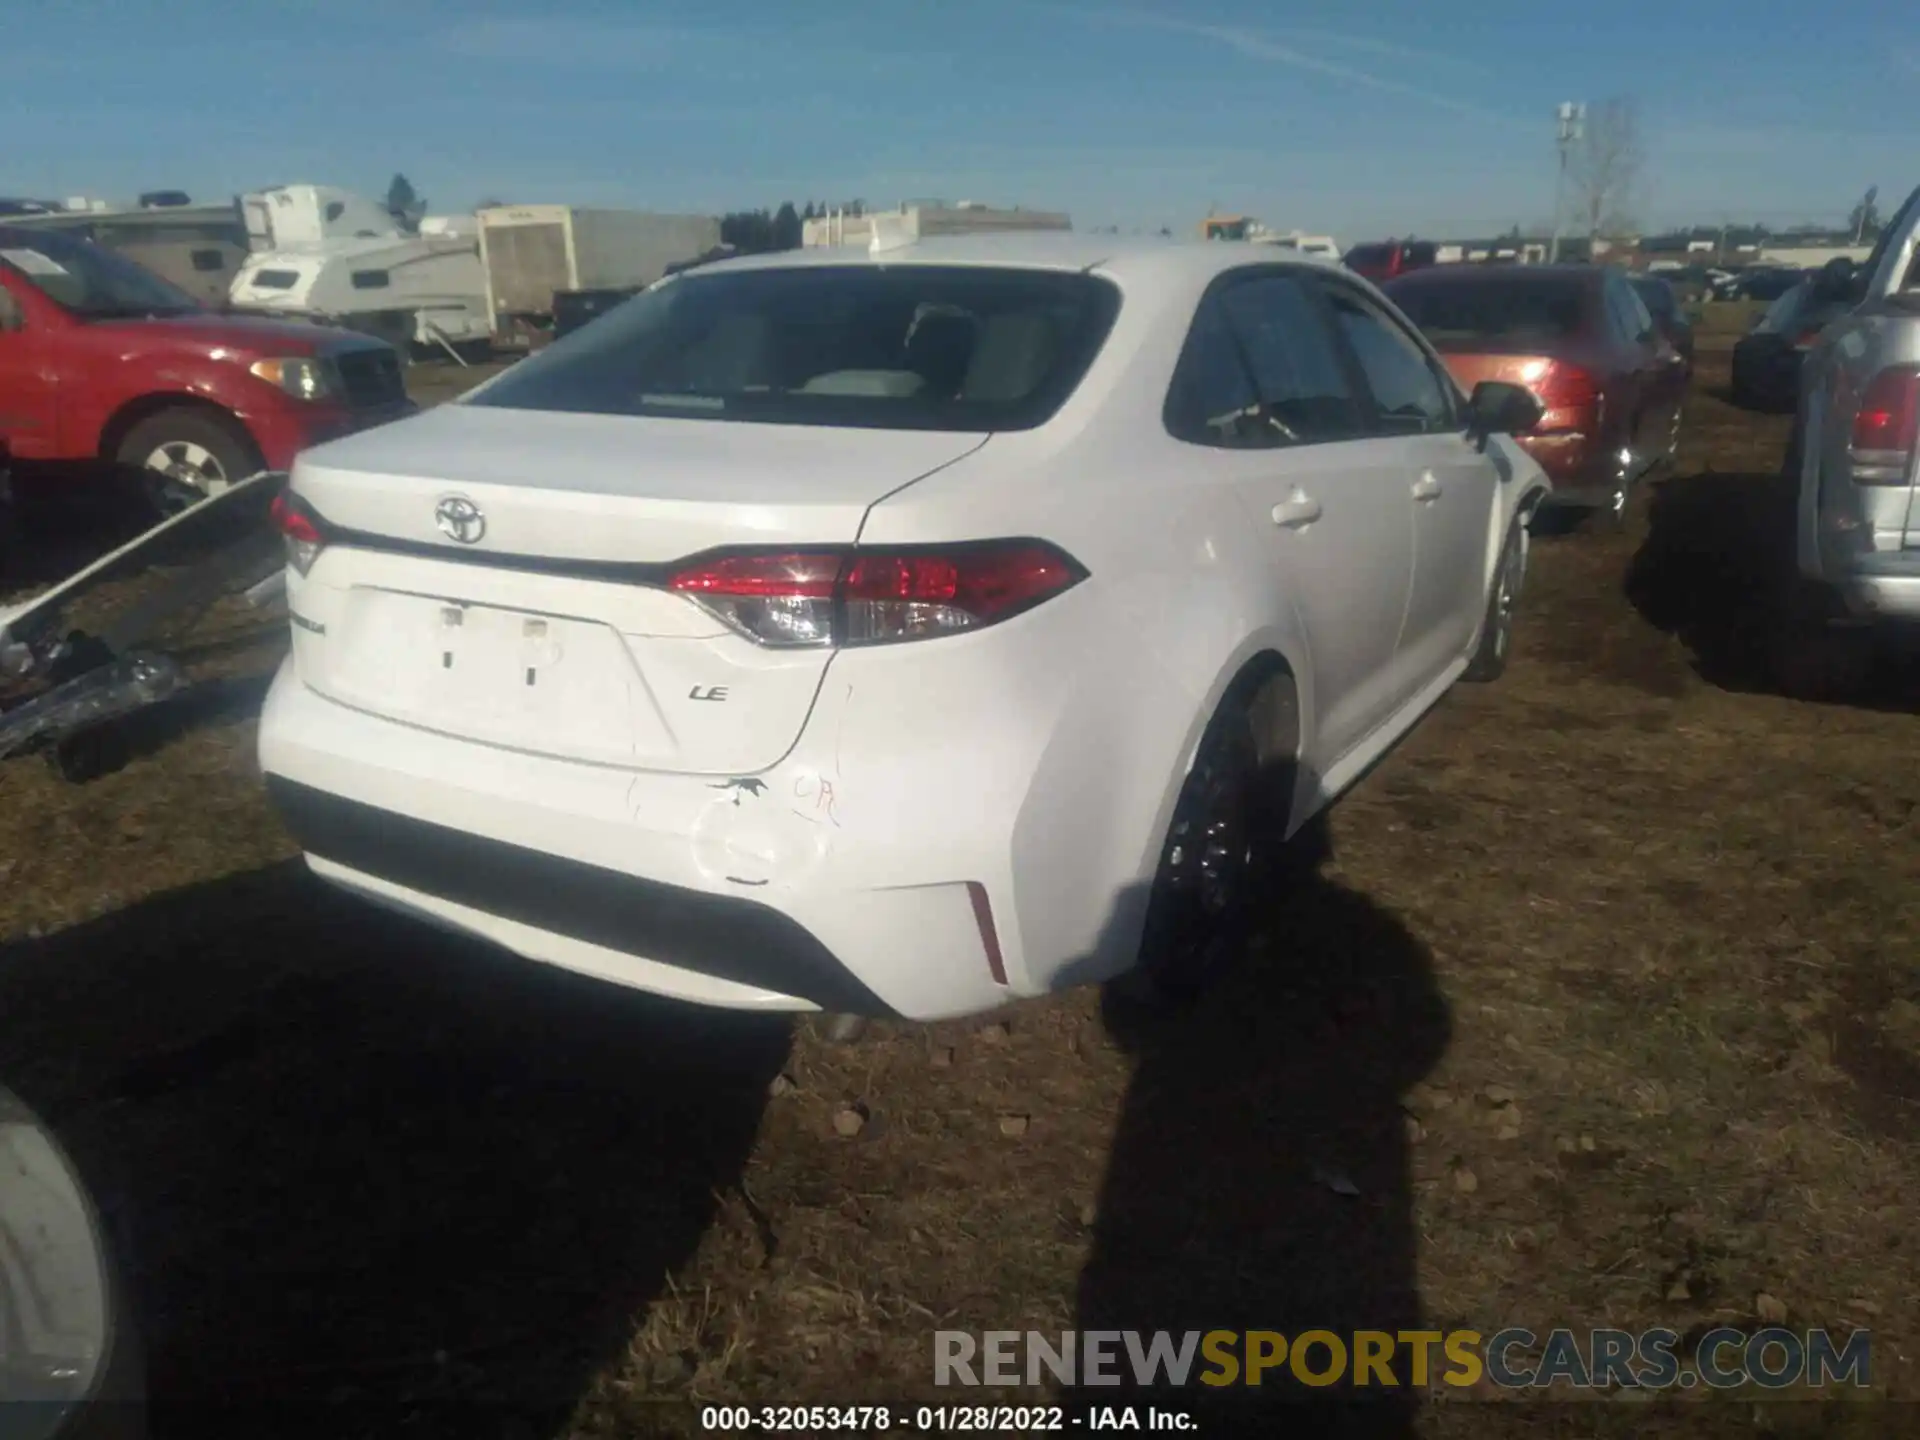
point(744, 893)
point(1584, 474)
point(446, 873)
point(1883, 597)
point(282, 433)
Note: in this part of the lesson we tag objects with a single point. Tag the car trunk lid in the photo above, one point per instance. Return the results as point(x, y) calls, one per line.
point(499, 576)
point(1568, 392)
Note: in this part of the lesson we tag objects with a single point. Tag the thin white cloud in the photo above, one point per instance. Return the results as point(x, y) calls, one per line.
point(1258, 46)
point(1386, 49)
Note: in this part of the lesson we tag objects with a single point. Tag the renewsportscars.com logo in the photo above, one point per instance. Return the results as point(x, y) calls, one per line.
point(1513, 1359)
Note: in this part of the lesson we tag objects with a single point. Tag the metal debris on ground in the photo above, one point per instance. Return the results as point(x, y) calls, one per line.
point(78, 683)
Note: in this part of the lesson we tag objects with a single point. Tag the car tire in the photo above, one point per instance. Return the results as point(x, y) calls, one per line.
point(1227, 824)
point(1489, 660)
point(186, 454)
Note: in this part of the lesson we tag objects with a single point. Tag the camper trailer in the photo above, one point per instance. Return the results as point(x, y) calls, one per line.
point(304, 217)
point(426, 290)
point(197, 247)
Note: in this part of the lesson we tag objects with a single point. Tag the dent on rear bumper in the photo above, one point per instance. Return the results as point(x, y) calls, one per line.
point(769, 890)
point(925, 777)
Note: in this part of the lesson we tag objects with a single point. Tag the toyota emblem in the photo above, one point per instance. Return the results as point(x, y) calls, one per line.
point(460, 519)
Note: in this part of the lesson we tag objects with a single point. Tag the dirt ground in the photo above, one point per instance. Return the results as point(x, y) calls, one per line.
point(1602, 1009)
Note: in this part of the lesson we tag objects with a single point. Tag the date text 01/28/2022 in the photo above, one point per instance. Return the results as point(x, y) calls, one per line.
point(975, 1419)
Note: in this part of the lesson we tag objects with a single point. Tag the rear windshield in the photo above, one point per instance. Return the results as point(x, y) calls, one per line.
point(1370, 255)
point(1510, 310)
point(902, 347)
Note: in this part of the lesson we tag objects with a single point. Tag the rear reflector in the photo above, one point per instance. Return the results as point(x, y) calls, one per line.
point(300, 528)
point(861, 597)
point(1886, 427)
point(989, 937)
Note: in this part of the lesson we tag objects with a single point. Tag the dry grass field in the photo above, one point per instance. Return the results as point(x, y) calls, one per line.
point(1601, 1009)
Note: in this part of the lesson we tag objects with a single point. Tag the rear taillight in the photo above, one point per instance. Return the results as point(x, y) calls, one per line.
point(300, 528)
point(1886, 427)
point(1804, 340)
point(872, 597)
point(1566, 393)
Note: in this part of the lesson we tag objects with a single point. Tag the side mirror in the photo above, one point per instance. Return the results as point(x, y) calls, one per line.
point(1498, 408)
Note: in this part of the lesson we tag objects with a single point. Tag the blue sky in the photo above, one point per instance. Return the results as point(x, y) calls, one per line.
point(1400, 116)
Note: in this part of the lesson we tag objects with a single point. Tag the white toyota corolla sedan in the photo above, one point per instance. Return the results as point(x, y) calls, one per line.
point(892, 633)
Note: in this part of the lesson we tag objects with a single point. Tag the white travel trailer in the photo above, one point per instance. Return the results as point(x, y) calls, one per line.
point(427, 290)
point(305, 217)
point(1322, 245)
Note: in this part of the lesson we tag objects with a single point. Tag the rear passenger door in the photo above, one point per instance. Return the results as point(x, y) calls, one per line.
point(1666, 372)
point(1449, 483)
point(1262, 393)
point(1640, 420)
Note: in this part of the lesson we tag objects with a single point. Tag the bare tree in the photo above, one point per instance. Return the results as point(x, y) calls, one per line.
point(1605, 165)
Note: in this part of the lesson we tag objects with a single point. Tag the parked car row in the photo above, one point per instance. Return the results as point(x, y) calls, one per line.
point(1759, 282)
point(672, 654)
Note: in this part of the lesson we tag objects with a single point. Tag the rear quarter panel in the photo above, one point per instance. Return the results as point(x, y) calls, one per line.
point(1179, 597)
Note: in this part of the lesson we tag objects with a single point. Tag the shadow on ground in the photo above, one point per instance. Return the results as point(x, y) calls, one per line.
point(1718, 571)
point(1260, 1175)
point(354, 1163)
point(67, 517)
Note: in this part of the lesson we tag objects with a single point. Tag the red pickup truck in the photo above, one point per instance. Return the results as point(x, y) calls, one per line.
point(101, 359)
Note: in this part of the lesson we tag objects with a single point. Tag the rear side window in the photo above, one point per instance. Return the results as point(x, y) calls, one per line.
point(1408, 395)
point(207, 260)
point(1295, 366)
point(371, 280)
point(1213, 400)
point(908, 347)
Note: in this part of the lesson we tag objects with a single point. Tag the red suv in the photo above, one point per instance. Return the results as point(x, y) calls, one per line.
point(101, 359)
point(1390, 258)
